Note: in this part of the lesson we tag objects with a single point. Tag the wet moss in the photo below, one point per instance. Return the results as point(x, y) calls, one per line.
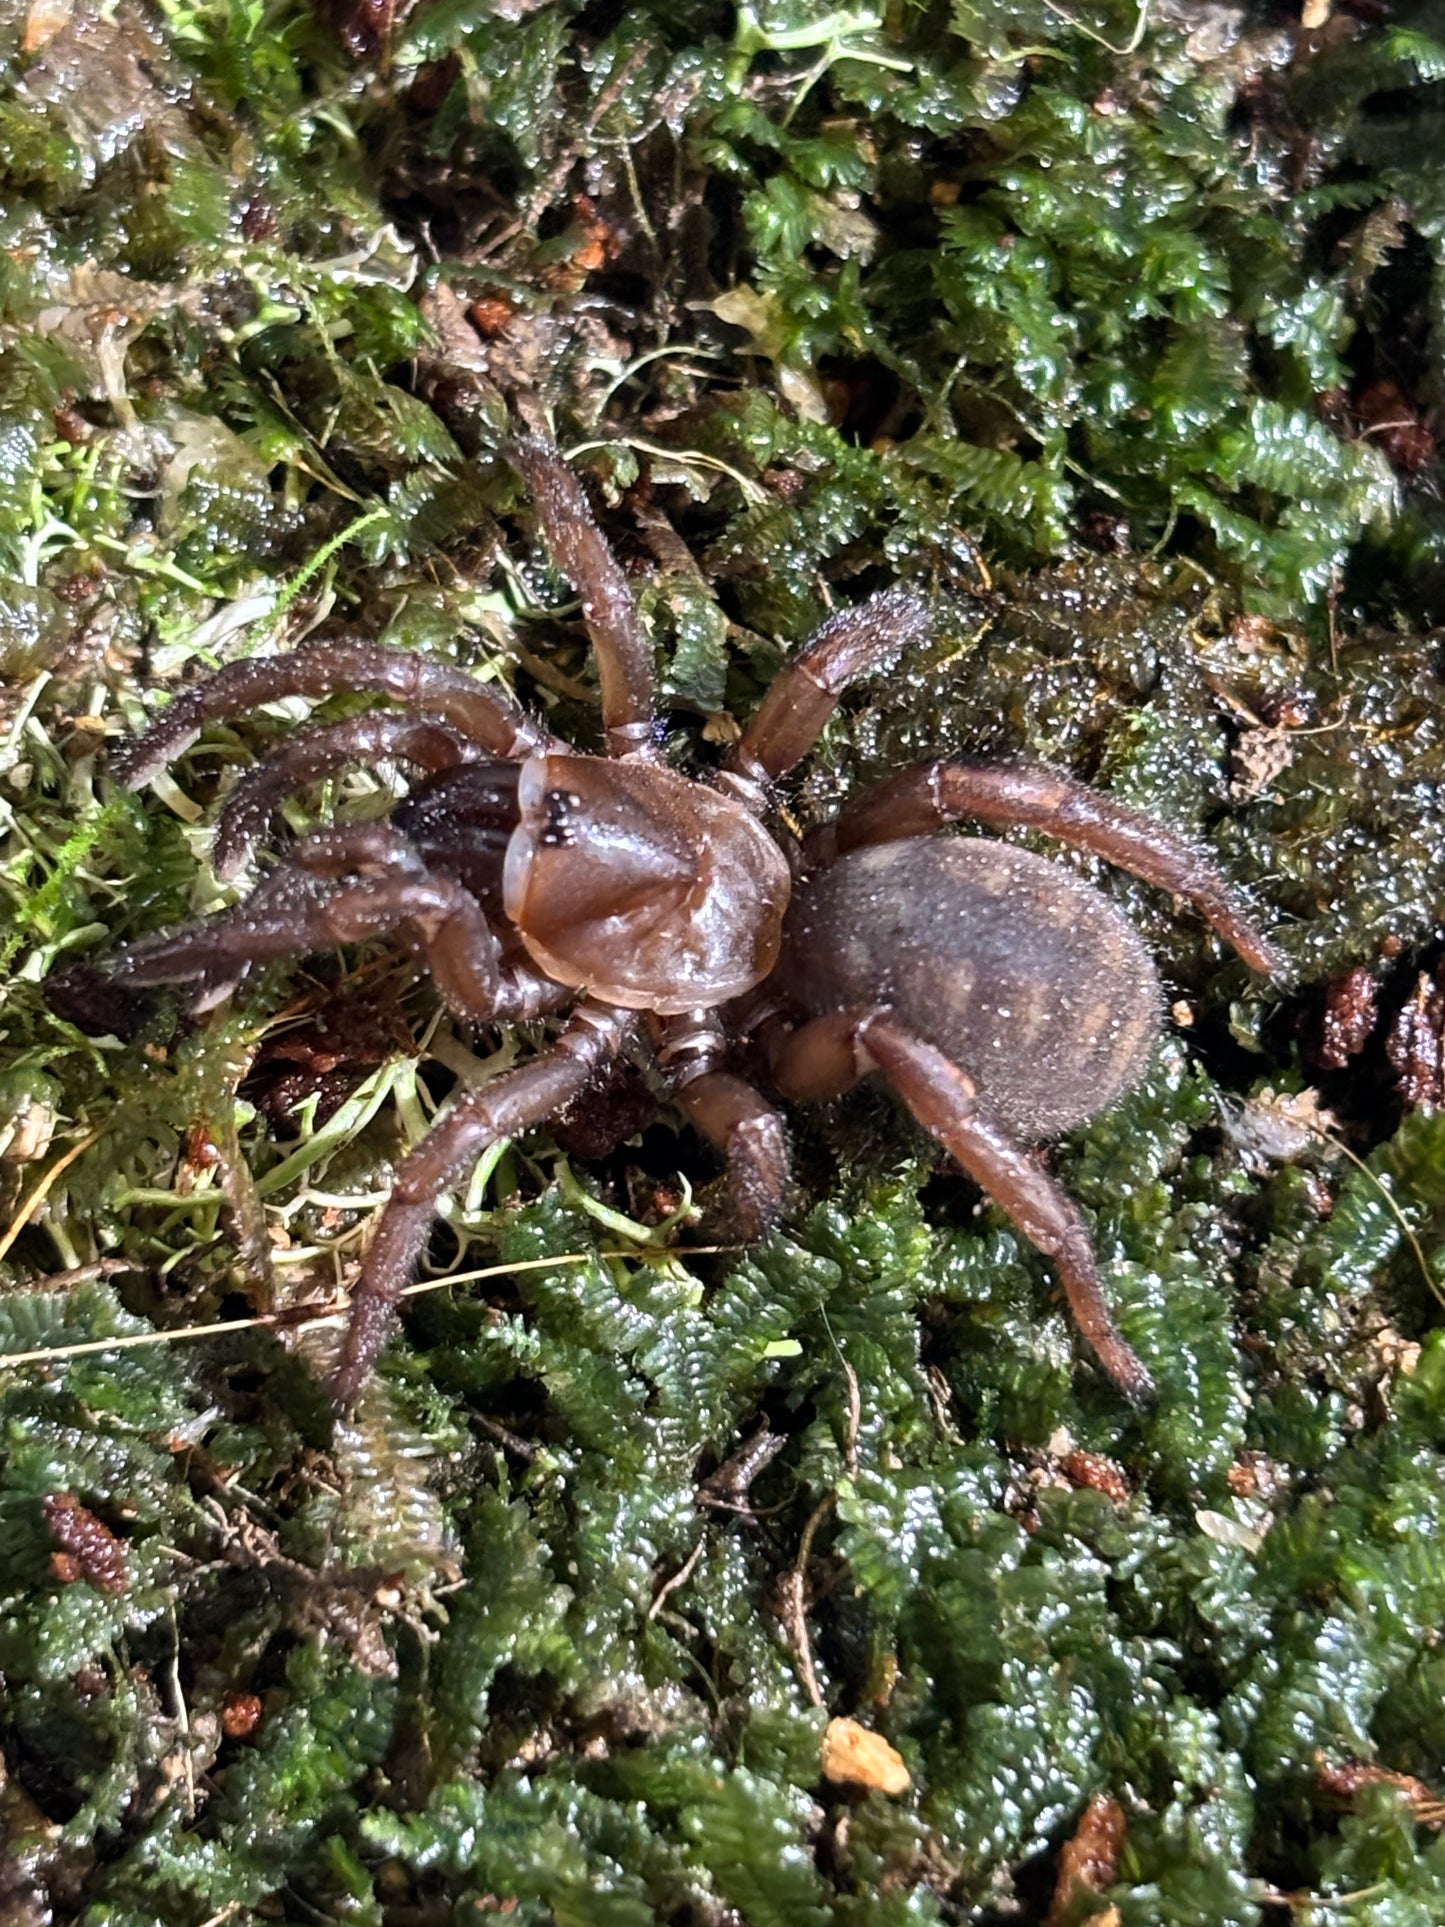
point(1080, 321)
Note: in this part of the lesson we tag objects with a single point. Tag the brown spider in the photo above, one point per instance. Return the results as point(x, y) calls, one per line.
point(1003, 998)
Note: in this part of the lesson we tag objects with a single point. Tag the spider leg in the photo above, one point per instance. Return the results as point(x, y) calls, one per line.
point(378, 736)
point(1028, 795)
point(805, 692)
point(742, 1127)
point(483, 714)
point(625, 663)
point(820, 1059)
point(341, 886)
point(508, 1105)
point(945, 1103)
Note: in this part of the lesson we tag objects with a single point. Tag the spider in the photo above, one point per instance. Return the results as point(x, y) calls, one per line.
point(1003, 998)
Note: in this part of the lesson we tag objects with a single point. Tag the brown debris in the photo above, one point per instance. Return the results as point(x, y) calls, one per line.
point(1095, 1473)
point(1414, 1043)
point(258, 219)
point(430, 90)
point(363, 27)
point(1260, 755)
point(1252, 1476)
point(350, 1605)
point(1382, 412)
point(1089, 1862)
point(609, 1112)
point(588, 244)
point(43, 20)
point(1108, 534)
point(492, 314)
point(108, 77)
point(454, 348)
point(337, 1047)
point(1386, 415)
point(97, 314)
point(70, 425)
point(240, 1714)
point(1347, 1019)
point(1276, 1127)
point(727, 1488)
point(1340, 1782)
point(43, 1868)
point(88, 1547)
point(788, 484)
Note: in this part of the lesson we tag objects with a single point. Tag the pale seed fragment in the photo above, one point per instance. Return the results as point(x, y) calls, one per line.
point(852, 1756)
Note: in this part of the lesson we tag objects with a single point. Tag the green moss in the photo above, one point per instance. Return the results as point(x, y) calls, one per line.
point(1067, 317)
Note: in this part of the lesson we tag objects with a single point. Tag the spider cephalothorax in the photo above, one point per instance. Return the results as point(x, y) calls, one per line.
point(1004, 999)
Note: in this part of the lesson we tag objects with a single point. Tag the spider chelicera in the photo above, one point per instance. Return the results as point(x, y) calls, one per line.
point(1003, 998)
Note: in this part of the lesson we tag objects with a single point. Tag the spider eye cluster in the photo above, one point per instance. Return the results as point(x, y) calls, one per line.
point(560, 827)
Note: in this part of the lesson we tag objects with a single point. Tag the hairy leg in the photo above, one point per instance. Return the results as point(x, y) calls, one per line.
point(379, 736)
point(339, 886)
point(943, 1101)
point(806, 690)
point(623, 649)
point(510, 1104)
point(483, 714)
point(740, 1125)
point(823, 1057)
point(1020, 794)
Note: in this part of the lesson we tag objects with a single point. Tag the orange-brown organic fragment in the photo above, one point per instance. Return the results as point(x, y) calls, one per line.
point(240, 1715)
point(1089, 1862)
point(88, 1547)
point(1347, 1019)
point(1340, 1782)
point(1415, 1044)
point(1095, 1473)
point(854, 1756)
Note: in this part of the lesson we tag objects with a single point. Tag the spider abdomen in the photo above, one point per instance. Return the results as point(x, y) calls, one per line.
point(1022, 973)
